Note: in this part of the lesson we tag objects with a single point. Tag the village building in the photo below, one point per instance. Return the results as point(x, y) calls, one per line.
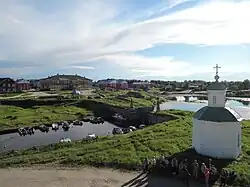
point(34, 83)
point(65, 82)
point(7, 85)
point(141, 85)
point(217, 128)
point(113, 84)
point(22, 85)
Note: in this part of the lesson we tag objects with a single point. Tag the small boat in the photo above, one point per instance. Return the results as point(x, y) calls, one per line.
point(91, 137)
point(78, 123)
point(65, 126)
point(30, 130)
point(127, 130)
point(132, 128)
point(22, 131)
point(97, 120)
point(117, 131)
point(142, 126)
point(65, 140)
point(55, 126)
point(86, 119)
point(43, 128)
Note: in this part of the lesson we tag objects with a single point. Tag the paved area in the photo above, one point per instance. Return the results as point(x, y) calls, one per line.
point(86, 177)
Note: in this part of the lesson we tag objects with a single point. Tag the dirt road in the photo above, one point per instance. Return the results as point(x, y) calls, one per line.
point(87, 177)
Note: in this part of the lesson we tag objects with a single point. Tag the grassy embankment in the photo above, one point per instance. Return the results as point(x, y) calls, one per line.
point(12, 116)
point(128, 151)
point(122, 98)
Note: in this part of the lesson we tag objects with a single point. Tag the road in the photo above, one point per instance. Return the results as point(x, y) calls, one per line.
point(86, 177)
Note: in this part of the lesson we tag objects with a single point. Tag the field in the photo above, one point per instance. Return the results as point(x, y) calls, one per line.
point(12, 116)
point(123, 98)
point(128, 151)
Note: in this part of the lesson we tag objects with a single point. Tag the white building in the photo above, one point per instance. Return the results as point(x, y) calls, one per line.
point(216, 128)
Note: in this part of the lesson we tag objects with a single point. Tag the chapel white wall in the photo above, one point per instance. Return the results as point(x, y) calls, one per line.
point(218, 140)
point(220, 98)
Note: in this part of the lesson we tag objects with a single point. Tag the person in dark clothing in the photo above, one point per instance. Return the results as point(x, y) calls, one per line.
point(174, 165)
point(146, 165)
point(231, 178)
point(223, 177)
point(184, 174)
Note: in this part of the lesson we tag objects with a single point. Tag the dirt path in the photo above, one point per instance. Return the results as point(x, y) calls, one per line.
point(87, 177)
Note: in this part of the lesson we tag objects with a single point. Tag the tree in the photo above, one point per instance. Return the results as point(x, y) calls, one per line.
point(246, 84)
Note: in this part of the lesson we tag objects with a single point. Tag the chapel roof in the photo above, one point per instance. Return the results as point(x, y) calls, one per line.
point(217, 114)
point(216, 86)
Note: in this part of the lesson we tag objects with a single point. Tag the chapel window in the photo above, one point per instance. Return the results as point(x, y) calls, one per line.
point(214, 100)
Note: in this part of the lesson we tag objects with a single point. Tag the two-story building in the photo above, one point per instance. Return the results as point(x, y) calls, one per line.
point(7, 85)
point(113, 84)
point(65, 82)
point(22, 85)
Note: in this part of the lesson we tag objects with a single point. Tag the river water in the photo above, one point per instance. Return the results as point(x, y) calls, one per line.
point(243, 110)
point(15, 142)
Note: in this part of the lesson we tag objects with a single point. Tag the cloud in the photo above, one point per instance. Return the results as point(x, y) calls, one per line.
point(82, 67)
point(94, 30)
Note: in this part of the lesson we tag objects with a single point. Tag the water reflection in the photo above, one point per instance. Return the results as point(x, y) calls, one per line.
point(15, 142)
point(245, 103)
point(239, 107)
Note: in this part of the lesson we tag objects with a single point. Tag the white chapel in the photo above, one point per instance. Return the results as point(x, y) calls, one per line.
point(217, 128)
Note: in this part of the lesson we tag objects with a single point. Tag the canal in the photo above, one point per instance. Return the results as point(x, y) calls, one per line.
point(13, 141)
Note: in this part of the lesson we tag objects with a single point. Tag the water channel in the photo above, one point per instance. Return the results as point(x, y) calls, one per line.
point(14, 141)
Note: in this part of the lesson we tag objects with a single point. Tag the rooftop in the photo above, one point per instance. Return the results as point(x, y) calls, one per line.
point(217, 114)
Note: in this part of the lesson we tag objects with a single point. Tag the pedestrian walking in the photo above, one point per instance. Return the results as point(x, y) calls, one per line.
point(207, 176)
point(209, 163)
point(195, 167)
point(174, 165)
point(203, 167)
point(223, 178)
point(146, 164)
point(184, 174)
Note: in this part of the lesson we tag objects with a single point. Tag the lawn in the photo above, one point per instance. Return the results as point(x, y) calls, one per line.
point(12, 116)
point(128, 151)
point(122, 98)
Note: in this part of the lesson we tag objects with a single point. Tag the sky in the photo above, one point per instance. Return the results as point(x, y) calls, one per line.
point(130, 39)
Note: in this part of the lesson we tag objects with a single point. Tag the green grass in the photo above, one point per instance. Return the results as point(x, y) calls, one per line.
point(12, 116)
point(128, 151)
point(112, 98)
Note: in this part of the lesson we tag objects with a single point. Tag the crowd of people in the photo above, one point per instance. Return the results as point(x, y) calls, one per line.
point(186, 170)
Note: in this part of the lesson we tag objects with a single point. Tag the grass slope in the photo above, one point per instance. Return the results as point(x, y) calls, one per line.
point(112, 98)
point(12, 116)
point(128, 151)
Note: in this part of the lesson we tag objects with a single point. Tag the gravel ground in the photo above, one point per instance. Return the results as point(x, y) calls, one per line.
point(86, 177)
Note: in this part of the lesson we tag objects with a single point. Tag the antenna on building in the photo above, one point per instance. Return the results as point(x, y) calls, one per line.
point(217, 77)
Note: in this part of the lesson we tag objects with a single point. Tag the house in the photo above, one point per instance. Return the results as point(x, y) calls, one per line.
point(113, 84)
point(7, 85)
point(34, 83)
point(65, 82)
point(22, 85)
point(141, 85)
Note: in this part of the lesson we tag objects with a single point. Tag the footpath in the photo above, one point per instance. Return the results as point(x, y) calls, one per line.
point(85, 177)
